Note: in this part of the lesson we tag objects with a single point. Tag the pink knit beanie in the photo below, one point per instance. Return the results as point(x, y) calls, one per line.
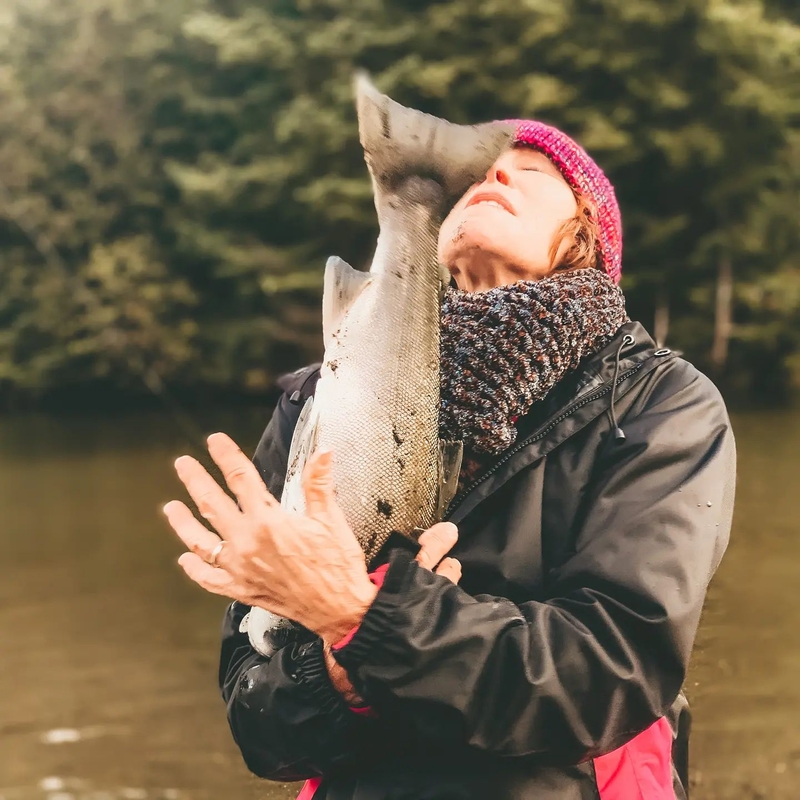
point(584, 176)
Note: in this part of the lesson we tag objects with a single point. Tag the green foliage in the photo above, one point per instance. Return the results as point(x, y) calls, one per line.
point(87, 293)
point(174, 174)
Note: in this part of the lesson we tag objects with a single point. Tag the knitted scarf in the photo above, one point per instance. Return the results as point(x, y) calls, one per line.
point(504, 349)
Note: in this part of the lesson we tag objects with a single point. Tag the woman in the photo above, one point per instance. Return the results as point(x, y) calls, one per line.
point(545, 657)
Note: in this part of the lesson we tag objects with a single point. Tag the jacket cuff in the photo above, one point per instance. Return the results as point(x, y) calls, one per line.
point(312, 673)
point(357, 647)
point(377, 577)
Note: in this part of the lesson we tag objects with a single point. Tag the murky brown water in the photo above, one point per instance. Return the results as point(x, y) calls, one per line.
point(108, 654)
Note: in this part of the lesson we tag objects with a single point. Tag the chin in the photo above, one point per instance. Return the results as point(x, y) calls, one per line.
point(471, 237)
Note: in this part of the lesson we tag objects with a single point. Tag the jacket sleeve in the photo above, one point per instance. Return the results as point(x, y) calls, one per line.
point(286, 717)
point(605, 653)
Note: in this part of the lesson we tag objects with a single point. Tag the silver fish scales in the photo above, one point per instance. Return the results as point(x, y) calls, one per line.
point(376, 405)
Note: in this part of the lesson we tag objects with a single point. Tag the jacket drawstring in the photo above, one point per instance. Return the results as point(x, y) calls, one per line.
point(619, 434)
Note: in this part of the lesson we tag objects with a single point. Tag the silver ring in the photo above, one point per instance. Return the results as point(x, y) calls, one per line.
point(215, 554)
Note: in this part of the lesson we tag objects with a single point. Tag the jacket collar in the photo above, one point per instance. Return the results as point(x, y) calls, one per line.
point(578, 399)
point(597, 370)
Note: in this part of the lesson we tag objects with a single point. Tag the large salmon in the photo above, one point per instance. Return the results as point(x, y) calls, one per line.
point(376, 405)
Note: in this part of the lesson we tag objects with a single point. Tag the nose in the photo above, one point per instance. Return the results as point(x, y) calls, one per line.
point(497, 174)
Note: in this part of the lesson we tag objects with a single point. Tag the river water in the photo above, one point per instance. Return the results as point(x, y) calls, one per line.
point(108, 654)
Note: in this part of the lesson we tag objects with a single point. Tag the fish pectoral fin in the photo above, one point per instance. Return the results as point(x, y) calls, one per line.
point(342, 285)
point(450, 457)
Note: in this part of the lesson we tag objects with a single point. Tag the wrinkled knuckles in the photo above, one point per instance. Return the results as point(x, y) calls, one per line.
point(247, 557)
point(205, 507)
point(438, 543)
point(237, 475)
point(318, 490)
point(446, 534)
point(199, 550)
point(263, 521)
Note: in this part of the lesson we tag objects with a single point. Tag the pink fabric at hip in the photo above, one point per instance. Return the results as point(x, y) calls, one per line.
point(639, 770)
point(309, 789)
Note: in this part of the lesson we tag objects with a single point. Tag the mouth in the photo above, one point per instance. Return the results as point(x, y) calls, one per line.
point(491, 199)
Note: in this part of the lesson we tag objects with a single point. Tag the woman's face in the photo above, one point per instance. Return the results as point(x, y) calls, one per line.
point(502, 230)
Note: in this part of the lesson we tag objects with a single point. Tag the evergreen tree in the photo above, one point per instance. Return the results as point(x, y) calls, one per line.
point(203, 155)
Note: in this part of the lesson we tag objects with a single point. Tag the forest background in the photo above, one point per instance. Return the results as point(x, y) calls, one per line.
point(173, 173)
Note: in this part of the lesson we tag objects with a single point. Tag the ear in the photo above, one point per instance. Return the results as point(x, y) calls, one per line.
point(575, 244)
point(564, 242)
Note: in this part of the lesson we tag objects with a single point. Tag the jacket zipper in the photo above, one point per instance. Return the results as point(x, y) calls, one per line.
point(590, 398)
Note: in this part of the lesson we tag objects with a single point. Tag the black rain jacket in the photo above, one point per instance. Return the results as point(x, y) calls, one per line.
point(586, 558)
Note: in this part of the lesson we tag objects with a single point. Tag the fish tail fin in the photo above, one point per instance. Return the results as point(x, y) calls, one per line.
point(400, 143)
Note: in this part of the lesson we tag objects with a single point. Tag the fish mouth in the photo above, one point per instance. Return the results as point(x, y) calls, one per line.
point(491, 198)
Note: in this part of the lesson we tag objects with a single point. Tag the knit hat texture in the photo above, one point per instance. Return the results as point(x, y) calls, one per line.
point(584, 176)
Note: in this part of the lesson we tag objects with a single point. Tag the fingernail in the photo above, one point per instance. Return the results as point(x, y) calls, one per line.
point(182, 461)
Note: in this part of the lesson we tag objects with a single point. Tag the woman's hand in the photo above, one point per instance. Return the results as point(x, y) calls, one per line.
point(435, 544)
point(309, 568)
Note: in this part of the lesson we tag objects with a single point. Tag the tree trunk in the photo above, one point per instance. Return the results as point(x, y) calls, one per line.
point(661, 320)
point(723, 318)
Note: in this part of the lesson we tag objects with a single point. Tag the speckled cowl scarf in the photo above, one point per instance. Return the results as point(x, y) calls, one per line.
point(504, 349)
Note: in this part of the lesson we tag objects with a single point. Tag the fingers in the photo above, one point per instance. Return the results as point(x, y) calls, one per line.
point(210, 578)
point(450, 568)
point(240, 474)
point(436, 543)
point(319, 492)
point(195, 536)
point(211, 501)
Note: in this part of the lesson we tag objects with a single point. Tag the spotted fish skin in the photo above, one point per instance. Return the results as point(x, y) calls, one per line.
point(376, 405)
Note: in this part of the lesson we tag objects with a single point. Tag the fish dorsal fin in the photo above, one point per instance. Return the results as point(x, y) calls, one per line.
point(303, 441)
point(343, 284)
point(450, 456)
